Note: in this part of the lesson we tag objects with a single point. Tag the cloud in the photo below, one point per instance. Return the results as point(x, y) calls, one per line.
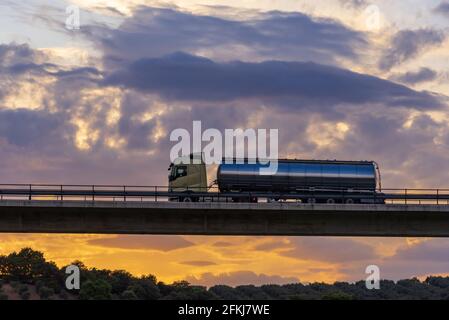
point(108, 10)
point(153, 32)
point(198, 263)
point(131, 242)
point(442, 8)
point(436, 251)
point(141, 114)
point(17, 54)
point(20, 65)
point(414, 77)
point(335, 250)
point(222, 244)
point(160, 89)
point(184, 77)
point(11, 55)
point(408, 44)
point(21, 59)
point(407, 147)
point(357, 4)
point(428, 257)
point(32, 129)
point(270, 246)
point(237, 278)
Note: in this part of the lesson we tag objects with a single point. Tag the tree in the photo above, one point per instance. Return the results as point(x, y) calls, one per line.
point(182, 290)
point(95, 290)
point(225, 292)
point(25, 295)
point(22, 288)
point(27, 266)
point(145, 289)
point(129, 295)
point(252, 292)
point(119, 280)
point(336, 295)
point(45, 292)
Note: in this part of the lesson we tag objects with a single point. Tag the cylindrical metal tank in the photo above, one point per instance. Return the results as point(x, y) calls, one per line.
point(298, 175)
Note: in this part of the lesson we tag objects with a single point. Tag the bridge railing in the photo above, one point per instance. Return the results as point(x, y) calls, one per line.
point(417, 196)
point(83, 192)
point(163, 193)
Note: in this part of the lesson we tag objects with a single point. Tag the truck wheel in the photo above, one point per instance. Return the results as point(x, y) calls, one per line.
point(349, 201)
point(330, 201)
point(311, 200)
point(187, 199)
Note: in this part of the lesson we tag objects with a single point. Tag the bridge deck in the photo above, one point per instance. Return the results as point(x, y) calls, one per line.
point(290, 219)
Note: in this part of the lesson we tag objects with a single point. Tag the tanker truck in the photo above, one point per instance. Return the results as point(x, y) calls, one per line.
point(308, 181)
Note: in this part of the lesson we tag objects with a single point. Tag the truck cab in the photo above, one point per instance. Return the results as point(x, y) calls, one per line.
point(187, 175)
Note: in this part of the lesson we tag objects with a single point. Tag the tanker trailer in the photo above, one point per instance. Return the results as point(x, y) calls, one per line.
point(310, 181)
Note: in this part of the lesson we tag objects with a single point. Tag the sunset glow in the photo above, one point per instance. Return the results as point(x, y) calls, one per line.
point(96, 105)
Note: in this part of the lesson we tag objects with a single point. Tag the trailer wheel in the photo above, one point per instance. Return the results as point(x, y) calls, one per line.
point(349, 201)
point(187, 199)
point(330, 201)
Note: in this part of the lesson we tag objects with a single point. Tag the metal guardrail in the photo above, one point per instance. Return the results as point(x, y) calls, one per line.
point(162, 193)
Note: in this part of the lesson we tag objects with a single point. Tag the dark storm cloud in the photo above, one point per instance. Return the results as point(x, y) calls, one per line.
point(152, 32)
point(184, 77)
point(407, 44)
point(414, 77)
point(443, 8)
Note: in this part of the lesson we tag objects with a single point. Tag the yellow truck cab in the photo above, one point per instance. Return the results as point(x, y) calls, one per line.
point(187, 175)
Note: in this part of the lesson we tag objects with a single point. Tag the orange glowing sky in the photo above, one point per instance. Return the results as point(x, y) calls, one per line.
point(233, 260)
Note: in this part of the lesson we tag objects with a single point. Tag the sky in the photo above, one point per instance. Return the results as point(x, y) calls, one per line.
point(340, 79)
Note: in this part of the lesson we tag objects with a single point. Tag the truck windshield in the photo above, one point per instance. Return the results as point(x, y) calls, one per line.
point(176, 172)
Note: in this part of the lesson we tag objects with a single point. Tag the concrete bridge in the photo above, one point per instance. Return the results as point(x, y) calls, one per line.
point(216, 218)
